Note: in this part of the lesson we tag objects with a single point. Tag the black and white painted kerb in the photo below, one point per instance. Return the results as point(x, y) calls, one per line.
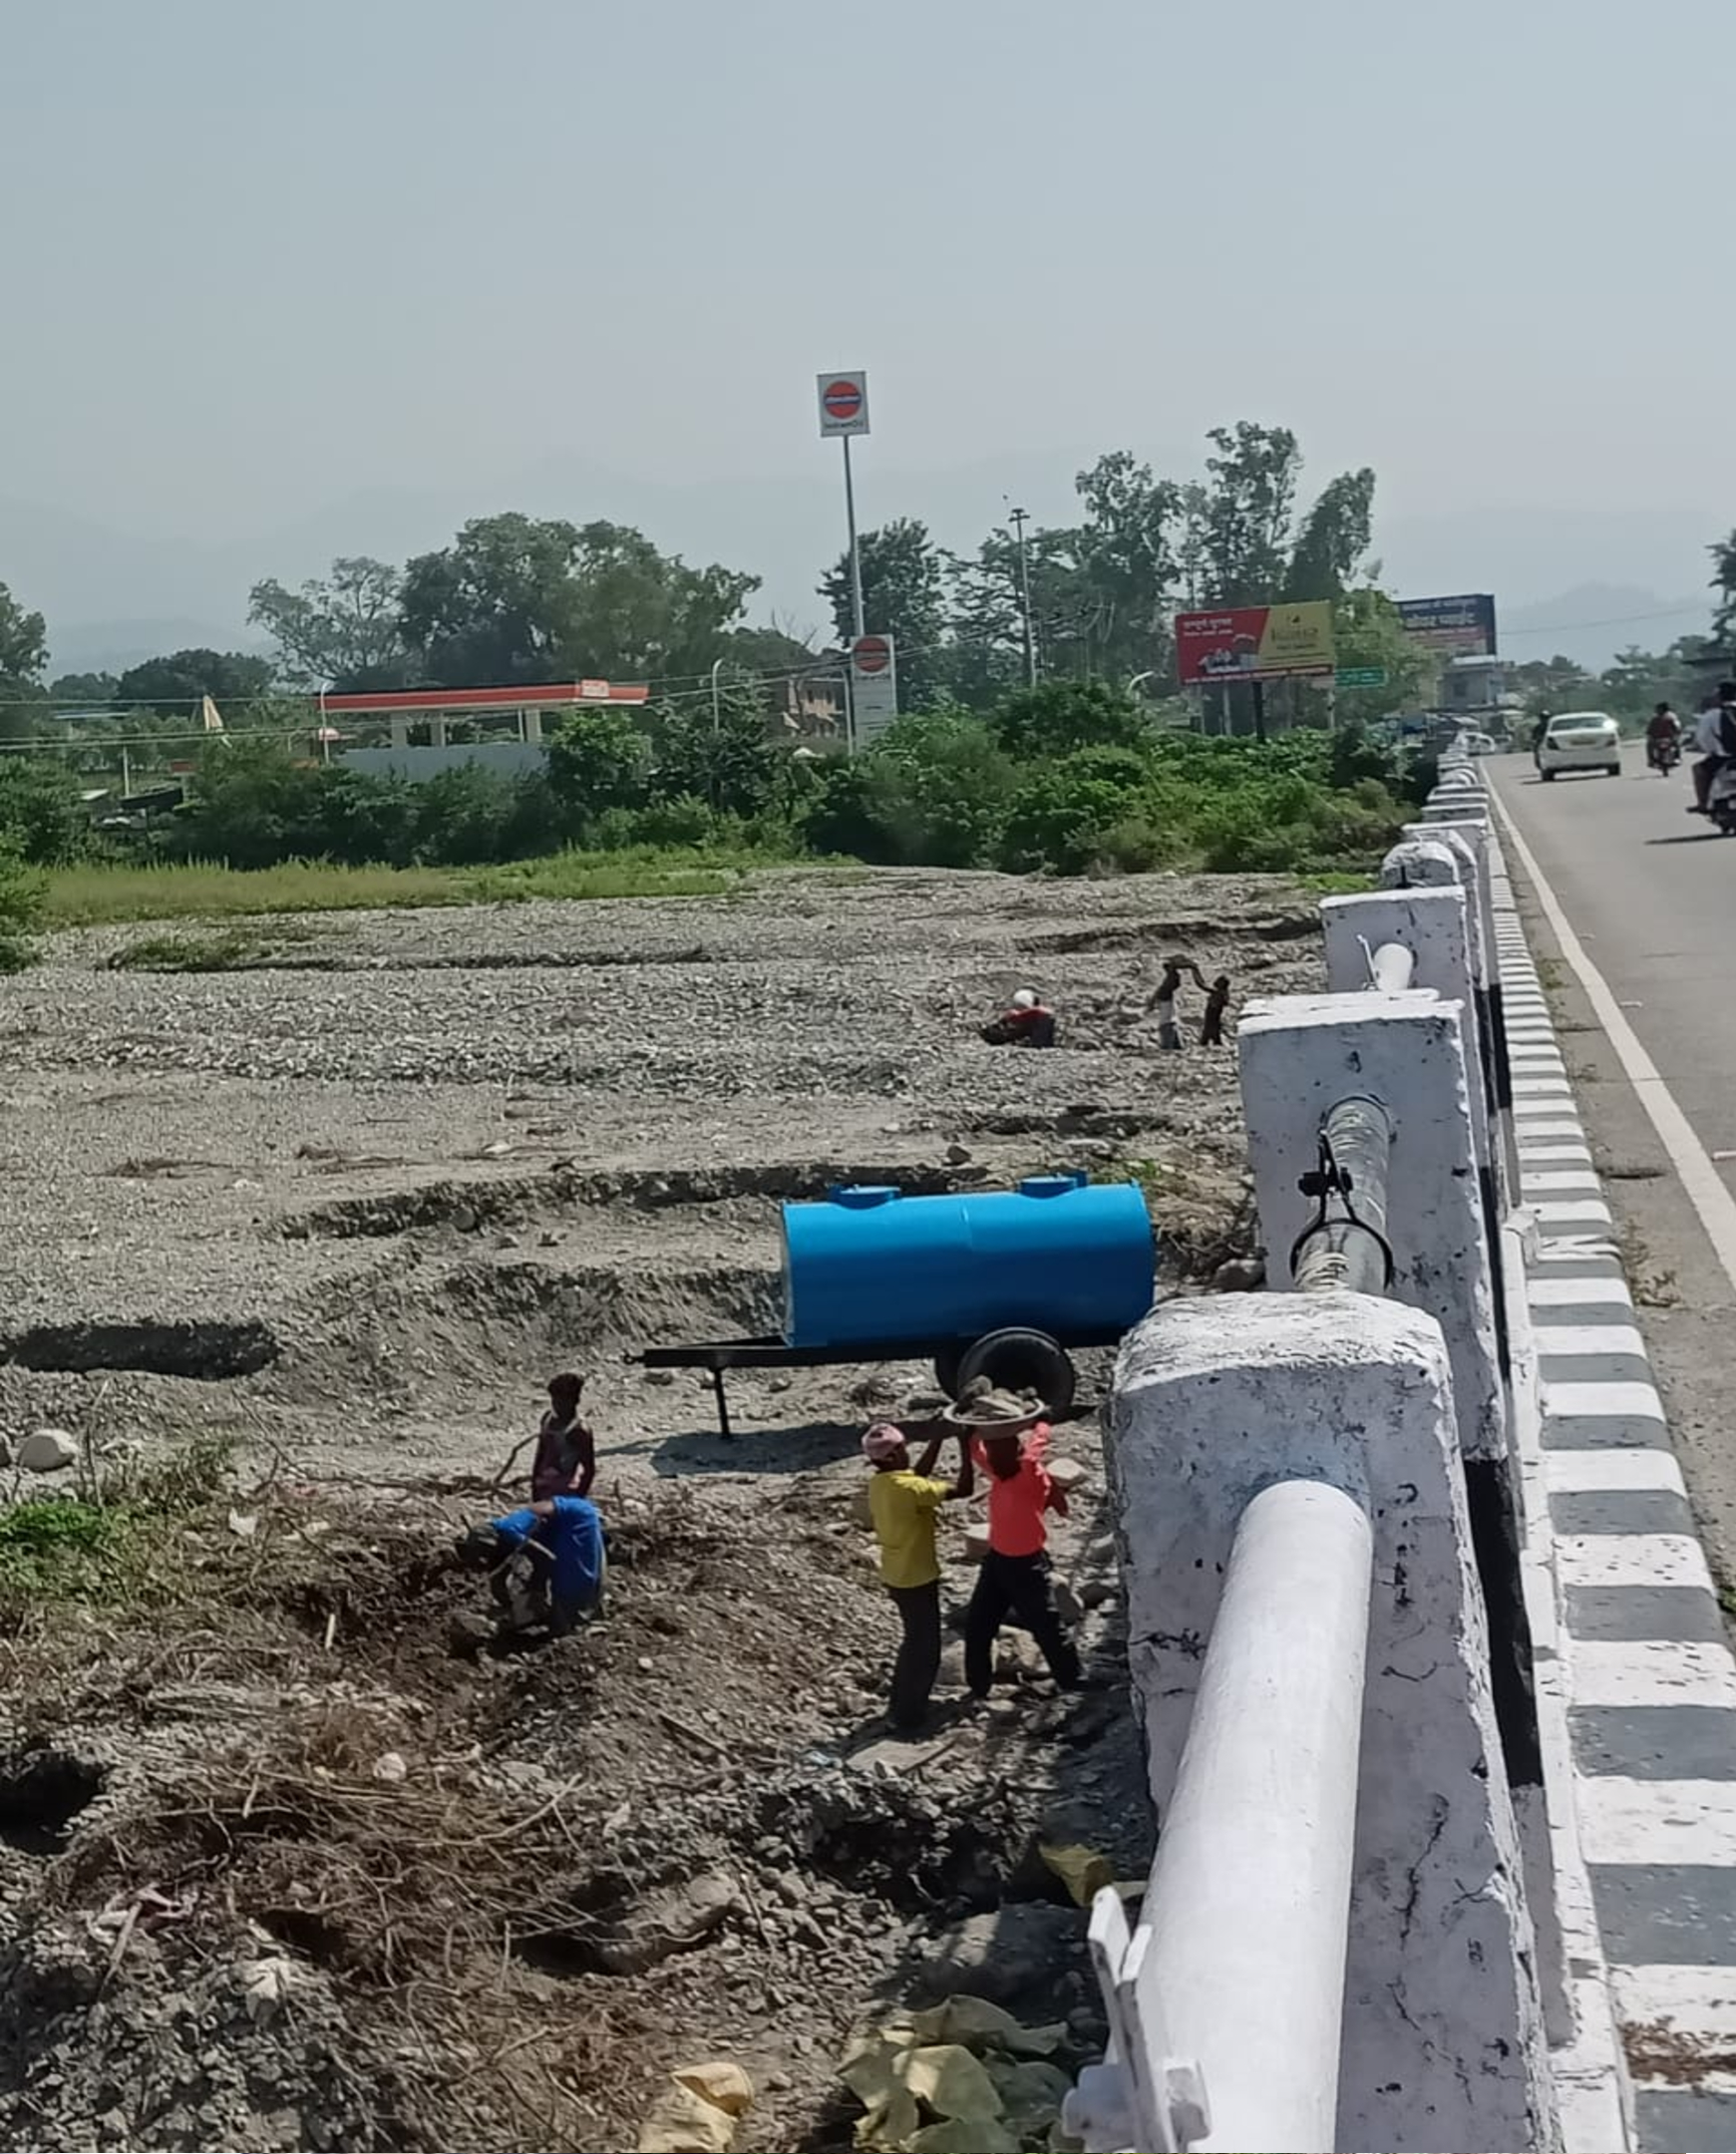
point(1648, 1682)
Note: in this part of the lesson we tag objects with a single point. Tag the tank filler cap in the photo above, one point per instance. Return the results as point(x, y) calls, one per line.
point(862, 1195)
point(1051, 1185)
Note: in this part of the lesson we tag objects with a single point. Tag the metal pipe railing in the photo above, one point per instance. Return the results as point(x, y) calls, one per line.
point(1249, 1905)
point(1346, 1243)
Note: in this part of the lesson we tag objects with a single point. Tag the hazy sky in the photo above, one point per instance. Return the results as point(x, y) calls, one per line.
point(259, 257)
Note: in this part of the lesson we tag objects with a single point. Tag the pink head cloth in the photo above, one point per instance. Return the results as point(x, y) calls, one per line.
point(881, 1442)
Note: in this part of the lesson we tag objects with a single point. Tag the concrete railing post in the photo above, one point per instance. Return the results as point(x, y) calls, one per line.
point(1215, 1402)
point(1300, 1056)
point(1463, 812)
point(1430, 922)
point(1433, 854)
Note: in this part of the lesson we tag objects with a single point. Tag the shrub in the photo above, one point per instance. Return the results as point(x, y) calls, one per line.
point(599, 759)
point(42, 818)
point(932, 792)
point(1059, 717)
point(23, 890)
point(1061, 816)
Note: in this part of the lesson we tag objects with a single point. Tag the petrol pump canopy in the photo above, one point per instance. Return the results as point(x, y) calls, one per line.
point(435, 702)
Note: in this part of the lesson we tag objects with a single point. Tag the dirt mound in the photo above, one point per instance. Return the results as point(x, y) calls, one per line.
point(302, 1874)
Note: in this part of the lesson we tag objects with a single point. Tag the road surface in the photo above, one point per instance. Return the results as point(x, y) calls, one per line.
point(1650, 892)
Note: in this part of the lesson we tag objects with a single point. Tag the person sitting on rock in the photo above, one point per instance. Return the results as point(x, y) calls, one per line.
point(565, 1461)
point(547, 1563)
point(1028, 1022)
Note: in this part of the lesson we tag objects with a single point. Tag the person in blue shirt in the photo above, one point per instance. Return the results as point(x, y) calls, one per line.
point(547, 1563)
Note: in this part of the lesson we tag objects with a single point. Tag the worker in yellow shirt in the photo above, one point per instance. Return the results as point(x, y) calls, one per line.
point(902, 1500)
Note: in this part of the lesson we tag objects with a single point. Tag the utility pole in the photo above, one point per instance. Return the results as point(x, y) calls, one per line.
point(856, 612)
point(1019, 517)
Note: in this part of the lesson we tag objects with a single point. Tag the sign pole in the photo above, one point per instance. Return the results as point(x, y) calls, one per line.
point(855, 614)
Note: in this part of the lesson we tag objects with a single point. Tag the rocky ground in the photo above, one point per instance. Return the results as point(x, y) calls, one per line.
point(278, 1867)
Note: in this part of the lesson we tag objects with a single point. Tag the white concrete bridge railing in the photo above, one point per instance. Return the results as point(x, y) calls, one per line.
point(1349, 1936)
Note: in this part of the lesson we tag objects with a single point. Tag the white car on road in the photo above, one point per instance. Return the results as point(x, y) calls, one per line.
point(1581, 740)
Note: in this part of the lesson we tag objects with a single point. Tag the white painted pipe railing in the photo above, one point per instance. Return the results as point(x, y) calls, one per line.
point(1237, 1966)
point(1250, 1898)
point(1391, 968)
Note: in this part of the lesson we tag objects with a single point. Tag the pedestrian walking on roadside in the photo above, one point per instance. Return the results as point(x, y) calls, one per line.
point(1010, 1442)
point(903, 1502)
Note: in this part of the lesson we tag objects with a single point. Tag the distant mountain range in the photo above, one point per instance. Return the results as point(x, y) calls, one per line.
point(112, 598)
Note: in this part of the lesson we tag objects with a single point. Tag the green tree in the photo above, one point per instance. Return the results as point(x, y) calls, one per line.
point(23, 659)
point(599, 758)
point(1333, 541)
point(903, 594)
point(1723, 552)
point(515, 601)
point(1241, 539)
point(1366, 631)
point(340, 631)
point(491, 609)
point(173, 685)
point(1129, 563)
point(638, 614)
point(84, 688)
point(1070, 622)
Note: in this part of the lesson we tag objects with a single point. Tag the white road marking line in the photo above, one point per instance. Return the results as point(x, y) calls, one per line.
point(1652, 1671)
point(1699, 1178)
point(1657, 1821)
point(1596, 1473)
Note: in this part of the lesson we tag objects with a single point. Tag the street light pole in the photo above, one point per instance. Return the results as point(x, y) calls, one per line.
point(1019, 517)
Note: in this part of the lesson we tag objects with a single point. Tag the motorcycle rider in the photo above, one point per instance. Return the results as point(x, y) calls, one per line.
point(1716, 739)
point(1663, 738)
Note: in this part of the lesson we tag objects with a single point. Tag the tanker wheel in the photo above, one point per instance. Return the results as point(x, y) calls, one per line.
point(1018, 1360)
point(946, 1368)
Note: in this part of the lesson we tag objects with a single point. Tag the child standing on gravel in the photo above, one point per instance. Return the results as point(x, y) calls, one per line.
point(565, 1461)
point(903, 1500)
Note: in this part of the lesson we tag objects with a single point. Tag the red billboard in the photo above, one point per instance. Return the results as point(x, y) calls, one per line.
point(1255, 642)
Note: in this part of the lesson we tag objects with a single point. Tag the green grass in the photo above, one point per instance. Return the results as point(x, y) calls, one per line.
point(110, 1544)
point(232, 949)
point(1339, 882)
point(96, 895)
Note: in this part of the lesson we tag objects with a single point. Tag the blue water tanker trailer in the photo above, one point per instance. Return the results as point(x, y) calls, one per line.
point(997, 1283)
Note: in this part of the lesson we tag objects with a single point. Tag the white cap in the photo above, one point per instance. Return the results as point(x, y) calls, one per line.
point(1026, 998)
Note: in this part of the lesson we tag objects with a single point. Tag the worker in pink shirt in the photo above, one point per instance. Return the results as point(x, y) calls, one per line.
point(1010, 1447)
